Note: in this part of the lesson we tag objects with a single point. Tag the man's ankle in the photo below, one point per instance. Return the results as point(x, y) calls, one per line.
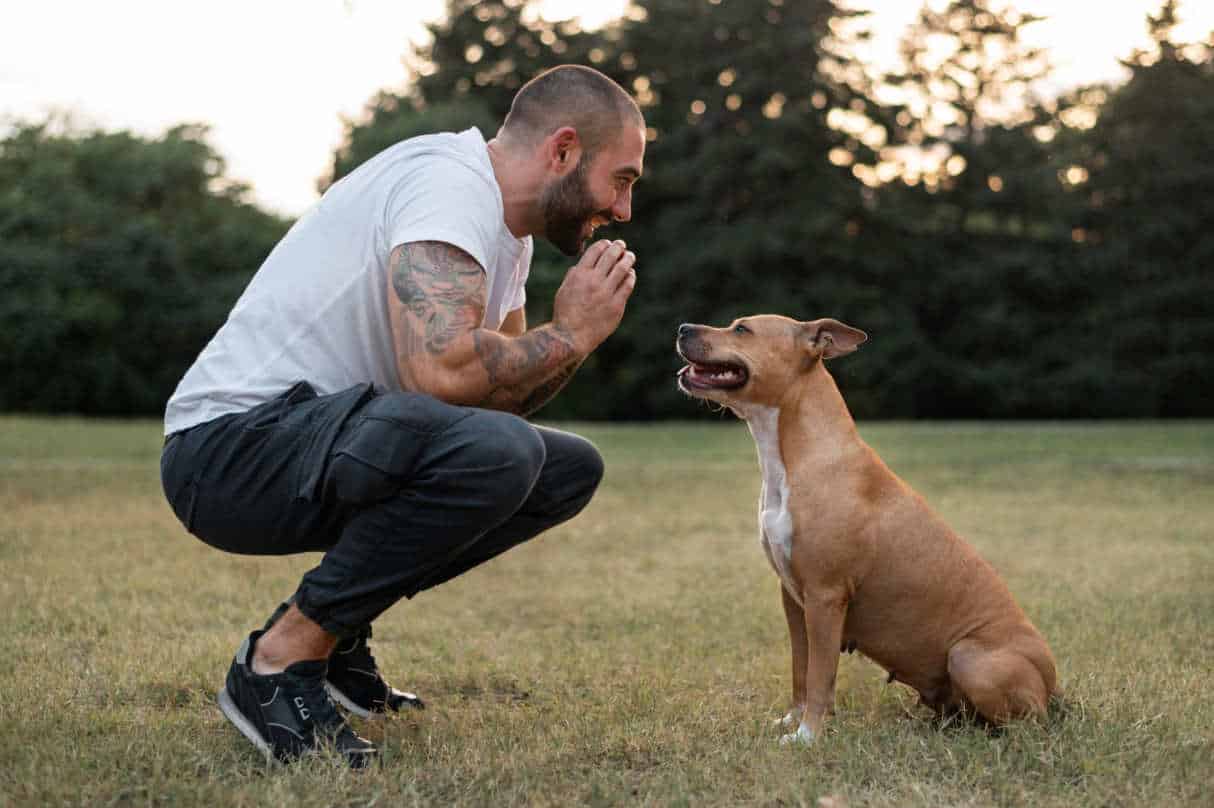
point(293, 638)
point(263, 664)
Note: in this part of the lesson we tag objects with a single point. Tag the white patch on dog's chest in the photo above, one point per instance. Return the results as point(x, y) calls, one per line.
point(775, 521)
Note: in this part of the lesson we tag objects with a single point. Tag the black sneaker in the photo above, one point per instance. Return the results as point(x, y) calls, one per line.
point(354, 680)
point(355, 683)
point(288, 714)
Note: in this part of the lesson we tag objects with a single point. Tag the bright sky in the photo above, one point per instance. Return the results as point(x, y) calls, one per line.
point(275, 77)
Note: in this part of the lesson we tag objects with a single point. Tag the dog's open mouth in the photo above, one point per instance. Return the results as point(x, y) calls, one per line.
point(714, 376)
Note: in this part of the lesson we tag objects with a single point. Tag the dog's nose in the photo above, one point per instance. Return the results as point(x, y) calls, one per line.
point(685, 330)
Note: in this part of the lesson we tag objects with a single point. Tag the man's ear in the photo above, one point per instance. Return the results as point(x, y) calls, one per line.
point(831, 338)
point(563, 149)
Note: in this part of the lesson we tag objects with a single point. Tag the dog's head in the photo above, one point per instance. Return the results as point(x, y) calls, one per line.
point(754, 360)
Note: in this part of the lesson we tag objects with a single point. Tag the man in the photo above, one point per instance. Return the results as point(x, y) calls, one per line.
point(364, 396)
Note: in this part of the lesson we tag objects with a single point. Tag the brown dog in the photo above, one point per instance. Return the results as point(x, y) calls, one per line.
point(863, 561)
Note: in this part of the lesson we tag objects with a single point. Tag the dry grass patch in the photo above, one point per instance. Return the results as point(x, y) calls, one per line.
point(635, 656)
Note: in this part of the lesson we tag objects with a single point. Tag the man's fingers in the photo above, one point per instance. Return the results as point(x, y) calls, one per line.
point(624, 262)
point(593, 253)
point(628, 280)
point(610, 255)
point(622, 268)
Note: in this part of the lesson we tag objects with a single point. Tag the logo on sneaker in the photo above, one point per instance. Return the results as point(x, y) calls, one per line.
point(304, 712)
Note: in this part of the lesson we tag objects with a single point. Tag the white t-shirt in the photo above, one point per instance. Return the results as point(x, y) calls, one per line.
point(317, 309)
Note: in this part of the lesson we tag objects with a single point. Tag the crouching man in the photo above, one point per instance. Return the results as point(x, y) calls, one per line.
point(364, 397)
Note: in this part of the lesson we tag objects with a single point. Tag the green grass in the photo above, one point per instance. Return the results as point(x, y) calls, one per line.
point(635, 656)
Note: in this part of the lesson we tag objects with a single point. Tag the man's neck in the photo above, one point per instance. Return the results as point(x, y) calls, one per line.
point(520, 190)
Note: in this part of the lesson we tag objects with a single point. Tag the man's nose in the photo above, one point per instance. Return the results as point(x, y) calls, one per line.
point(621, 211)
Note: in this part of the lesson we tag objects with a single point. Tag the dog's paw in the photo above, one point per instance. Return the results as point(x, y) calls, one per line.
point(790, 719)
point(804, 736)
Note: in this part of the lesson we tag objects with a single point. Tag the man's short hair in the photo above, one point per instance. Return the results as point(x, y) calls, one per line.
point(572, 95)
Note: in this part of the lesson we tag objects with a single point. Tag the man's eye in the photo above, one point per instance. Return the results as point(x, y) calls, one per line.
point(741, 329)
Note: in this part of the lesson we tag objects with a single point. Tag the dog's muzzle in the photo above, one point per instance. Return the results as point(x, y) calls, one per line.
point(702, 374)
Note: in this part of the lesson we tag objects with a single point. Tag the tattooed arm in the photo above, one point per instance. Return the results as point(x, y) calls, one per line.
point(437, 302)
point(525, 399)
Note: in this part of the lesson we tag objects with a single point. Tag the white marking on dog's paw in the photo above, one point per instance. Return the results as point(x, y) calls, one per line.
point(804, 736)
point(789, 719)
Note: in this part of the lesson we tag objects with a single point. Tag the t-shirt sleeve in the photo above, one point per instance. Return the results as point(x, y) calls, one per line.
point(521, 274)
point(444, 200)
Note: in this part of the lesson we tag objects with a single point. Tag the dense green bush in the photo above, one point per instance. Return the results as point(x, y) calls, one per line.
point(119, 258)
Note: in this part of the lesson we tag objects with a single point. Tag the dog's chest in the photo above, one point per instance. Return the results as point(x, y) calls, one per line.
point(775, 521)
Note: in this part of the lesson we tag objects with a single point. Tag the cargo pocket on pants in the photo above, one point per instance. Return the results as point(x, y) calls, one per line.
point(372, 461)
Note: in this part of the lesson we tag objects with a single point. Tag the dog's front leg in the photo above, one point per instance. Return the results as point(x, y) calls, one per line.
point(799, 641)
point(823, 617)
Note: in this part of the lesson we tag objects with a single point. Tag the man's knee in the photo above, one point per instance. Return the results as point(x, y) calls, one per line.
point(587, 469)
point(574, 471)
point(505, 448)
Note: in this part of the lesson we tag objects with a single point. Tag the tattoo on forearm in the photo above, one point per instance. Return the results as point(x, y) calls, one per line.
point(443, 289)
point(544, 393)
point(508, 360)
point(536, 349)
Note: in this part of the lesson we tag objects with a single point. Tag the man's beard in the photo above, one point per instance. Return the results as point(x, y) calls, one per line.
point(567, 208)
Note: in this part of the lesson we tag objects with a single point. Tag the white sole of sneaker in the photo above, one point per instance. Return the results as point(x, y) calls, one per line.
point(234, 715)
point(345, 702)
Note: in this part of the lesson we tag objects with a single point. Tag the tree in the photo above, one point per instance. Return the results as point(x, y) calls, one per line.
point(966, 95)
point(741, 211)
point(1145, 176)
point(119, 257)
point(968, 194)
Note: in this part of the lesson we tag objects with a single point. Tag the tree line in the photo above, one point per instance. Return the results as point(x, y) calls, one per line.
point(1010, 256)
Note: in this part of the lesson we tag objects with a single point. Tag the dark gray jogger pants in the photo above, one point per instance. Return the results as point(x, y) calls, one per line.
point(400, 491)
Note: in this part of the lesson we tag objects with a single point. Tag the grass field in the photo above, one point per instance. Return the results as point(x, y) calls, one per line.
point(636, 656)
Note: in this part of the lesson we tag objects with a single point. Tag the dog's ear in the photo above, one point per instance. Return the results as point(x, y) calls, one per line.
point(830, 338)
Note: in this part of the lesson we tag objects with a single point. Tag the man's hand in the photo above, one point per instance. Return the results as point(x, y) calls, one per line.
point(590, 303)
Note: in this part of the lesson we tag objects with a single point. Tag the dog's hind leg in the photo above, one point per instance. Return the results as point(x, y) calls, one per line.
point(1001, 683)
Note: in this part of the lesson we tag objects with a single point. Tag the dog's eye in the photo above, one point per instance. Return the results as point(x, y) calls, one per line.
point(741, 329)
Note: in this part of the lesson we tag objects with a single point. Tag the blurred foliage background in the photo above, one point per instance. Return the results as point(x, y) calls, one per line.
point(1011, 255)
